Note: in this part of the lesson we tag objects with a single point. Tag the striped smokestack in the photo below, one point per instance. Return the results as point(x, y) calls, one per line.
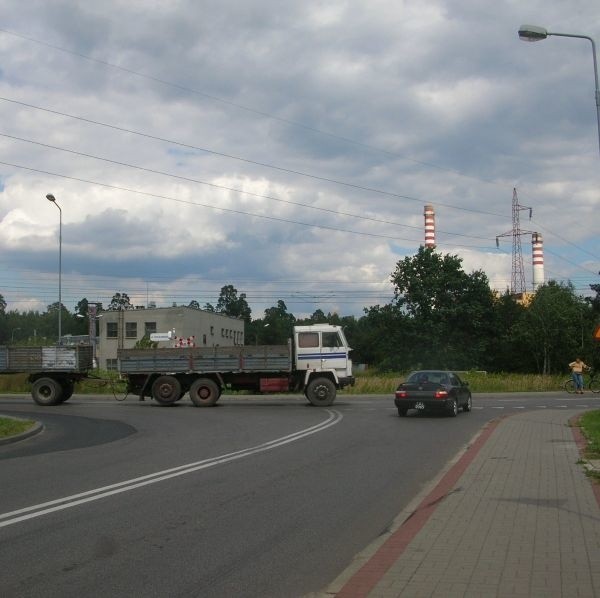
point(538, 260)
point(429, 227)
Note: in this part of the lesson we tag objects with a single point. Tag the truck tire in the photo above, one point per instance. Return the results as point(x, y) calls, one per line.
point(204, 392)
point(166, 390)
point(321, 392)
point(46, 392)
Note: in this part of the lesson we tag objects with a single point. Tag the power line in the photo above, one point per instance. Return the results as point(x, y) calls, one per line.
point(242, 107)
point(198, 204)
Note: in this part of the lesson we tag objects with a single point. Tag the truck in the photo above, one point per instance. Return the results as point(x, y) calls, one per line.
point(315, 361)
point(52, 371)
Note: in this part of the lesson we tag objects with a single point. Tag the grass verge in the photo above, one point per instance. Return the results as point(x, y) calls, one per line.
point(589, 424)
point(11, 427)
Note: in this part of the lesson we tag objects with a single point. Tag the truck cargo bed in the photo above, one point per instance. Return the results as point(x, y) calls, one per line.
point(258, 358)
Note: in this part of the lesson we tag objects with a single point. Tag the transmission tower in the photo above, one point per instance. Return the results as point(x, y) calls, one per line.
point(517, 281)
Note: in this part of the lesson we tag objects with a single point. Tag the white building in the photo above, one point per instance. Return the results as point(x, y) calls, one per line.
point(124, 328)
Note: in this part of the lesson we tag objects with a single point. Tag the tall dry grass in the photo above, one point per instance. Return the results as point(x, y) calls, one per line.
point(378, 383)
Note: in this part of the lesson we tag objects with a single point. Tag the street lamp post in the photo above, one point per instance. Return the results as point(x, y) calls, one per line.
point(533, 33)
point(51, 198)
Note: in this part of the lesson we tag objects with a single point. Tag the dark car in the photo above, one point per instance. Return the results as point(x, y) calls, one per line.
point(437, 390)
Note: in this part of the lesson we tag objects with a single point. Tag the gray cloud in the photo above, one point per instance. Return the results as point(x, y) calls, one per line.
point(432, 102)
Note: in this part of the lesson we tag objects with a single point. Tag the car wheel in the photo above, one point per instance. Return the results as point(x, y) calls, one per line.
point(453, 411)
point(402, 411)
point(468, 405)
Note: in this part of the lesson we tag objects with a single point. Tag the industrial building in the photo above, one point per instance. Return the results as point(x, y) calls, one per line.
point(122, 329)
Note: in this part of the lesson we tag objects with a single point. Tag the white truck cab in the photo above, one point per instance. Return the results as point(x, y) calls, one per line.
point(323, 348)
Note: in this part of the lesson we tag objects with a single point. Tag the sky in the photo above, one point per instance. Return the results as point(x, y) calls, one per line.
point(289, 148)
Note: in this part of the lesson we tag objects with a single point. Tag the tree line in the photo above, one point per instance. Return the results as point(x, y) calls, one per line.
point(439, 317)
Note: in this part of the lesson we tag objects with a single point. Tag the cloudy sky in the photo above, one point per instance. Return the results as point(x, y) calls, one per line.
point(289, 148)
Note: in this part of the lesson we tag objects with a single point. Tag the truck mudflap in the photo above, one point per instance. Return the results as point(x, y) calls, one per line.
point(346, 381)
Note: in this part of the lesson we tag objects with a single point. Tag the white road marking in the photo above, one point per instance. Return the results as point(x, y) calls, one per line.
point(83, 497)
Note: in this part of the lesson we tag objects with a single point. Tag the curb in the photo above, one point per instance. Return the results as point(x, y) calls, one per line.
point(35, 429)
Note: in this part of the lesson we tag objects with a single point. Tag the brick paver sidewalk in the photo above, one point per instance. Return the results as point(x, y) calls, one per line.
point(520, 518)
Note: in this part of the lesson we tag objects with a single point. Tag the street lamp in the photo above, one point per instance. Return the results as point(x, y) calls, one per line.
point(532, 33)
point(51, 198)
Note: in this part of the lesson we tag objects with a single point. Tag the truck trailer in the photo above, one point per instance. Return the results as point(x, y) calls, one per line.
point(315, 361)
point(52, 371)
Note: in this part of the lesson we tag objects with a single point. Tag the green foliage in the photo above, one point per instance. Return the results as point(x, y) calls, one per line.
point(232, 305)
point(440, 317)
point(551, 329)
point(120, 301)
point(145, 343)
point(589, 423)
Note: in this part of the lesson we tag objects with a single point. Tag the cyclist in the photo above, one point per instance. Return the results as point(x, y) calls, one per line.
point(577, 368)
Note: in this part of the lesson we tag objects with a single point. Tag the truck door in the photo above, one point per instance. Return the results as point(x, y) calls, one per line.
point(334, 355)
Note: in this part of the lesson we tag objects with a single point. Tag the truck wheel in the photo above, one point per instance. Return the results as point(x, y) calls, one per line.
point(46, 392)
point(166, 390)
point(321, 392)
point(204, 392)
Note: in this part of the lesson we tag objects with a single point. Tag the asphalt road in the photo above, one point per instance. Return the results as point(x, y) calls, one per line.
point(256, 497)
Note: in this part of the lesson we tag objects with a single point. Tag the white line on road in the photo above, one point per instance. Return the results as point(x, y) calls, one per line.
point(83, 497)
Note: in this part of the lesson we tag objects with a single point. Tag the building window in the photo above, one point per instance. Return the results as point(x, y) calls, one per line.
point(149, 328)
point(130, 329)
point(222, 332)
point(212, 330)
point(204, 339)
point(112, 365)
point(112, 330)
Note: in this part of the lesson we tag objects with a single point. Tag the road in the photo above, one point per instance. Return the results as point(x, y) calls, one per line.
point(256, 497)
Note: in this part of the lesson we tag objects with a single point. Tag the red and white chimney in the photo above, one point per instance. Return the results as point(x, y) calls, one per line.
point(538, 260)
point(429, 227)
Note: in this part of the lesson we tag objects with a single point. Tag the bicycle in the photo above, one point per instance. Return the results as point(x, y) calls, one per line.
point(593, 384)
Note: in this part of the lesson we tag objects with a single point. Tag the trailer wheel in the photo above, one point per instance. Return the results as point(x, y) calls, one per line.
point(68, 386)
point(204, 392)
point(46, 392)
point(166, 390)
point(321, 392)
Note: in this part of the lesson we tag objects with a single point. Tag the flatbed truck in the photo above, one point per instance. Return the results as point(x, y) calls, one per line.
point(315, 361)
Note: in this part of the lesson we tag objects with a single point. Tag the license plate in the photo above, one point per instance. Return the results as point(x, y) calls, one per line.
point(419, 405)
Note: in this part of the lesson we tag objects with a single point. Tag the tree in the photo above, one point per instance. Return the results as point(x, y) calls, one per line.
point(278, 324)
point(194, 304)
point(449, 314)
point(231, 305)
point(555, 327)
point(120, 301)
point(2, 305)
